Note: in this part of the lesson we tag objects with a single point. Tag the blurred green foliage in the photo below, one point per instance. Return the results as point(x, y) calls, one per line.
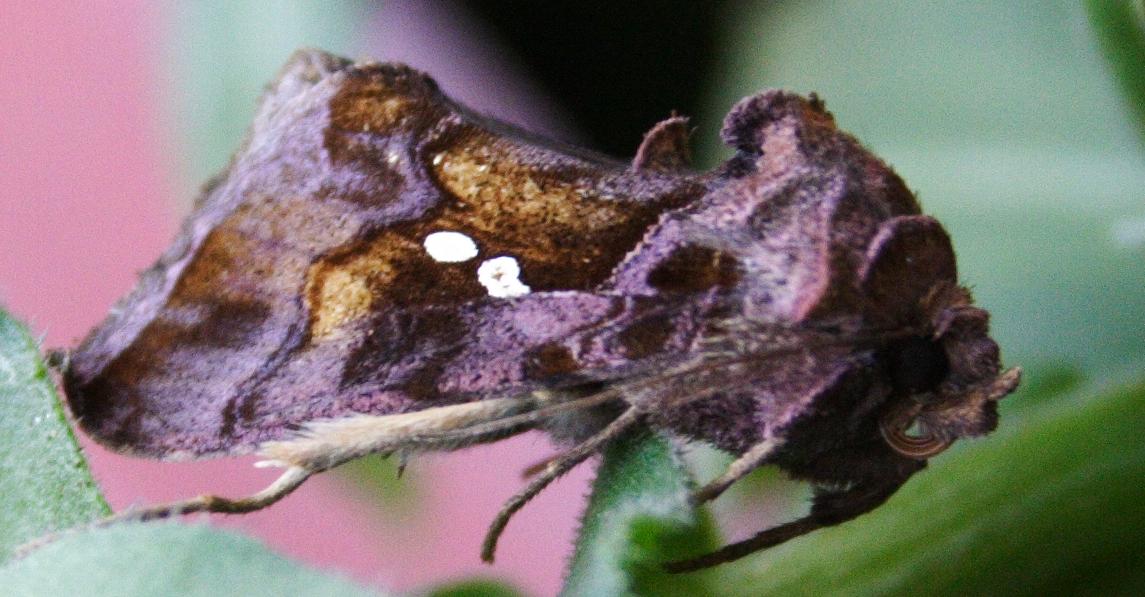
point(221, 53)
point(148, 560)
point(474, 588)
point(1120, 27)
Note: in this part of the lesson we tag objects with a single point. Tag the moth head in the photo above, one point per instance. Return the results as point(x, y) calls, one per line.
point(946, 375)
point(946, 385)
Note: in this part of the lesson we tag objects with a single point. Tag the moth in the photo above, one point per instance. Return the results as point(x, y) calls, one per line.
point(381, 270)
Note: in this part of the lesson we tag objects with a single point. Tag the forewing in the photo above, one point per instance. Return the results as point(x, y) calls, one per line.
point(301, 287)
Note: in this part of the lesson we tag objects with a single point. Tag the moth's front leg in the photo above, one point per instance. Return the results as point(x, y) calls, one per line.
point(286, 483)
point(737, 470)
point(829, 508)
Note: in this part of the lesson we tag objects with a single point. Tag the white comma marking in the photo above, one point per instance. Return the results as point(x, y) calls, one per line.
point(501, 277)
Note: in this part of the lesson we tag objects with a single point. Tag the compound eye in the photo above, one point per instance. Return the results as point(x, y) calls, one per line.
point(917, 366)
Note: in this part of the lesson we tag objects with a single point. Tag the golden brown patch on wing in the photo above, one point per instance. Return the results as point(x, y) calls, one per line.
point(390, 269)
point(567, 231)
point(495, 190)
point(338, 296)
point(563, 219)
point(383, 100)
point(544, 210)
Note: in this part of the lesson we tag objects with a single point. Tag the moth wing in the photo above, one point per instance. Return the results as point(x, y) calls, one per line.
point(303, 286)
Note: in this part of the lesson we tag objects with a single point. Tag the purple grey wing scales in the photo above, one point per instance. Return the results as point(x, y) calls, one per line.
point(310, 252)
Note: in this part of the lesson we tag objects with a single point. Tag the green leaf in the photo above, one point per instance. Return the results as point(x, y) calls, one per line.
point(45, 484)
point(1052, 506)
point(475, 588)
point(638, 518)
point(1120, 27)
point(129, 560)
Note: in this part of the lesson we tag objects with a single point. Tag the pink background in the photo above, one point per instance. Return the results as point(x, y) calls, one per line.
point(87, 200)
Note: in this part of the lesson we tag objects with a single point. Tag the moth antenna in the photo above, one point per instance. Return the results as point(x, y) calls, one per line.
point(829, 508)
point(738, 469)
point(286, 483)
point(555, 468)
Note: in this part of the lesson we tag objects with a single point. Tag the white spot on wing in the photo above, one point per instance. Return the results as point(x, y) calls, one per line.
point(450, 247)
point(501, 277)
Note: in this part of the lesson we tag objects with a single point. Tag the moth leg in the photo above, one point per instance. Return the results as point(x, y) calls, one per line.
point(739, 468)
point(283, 486)
point(539, 466)
point(828, 508)
point(553, 469)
